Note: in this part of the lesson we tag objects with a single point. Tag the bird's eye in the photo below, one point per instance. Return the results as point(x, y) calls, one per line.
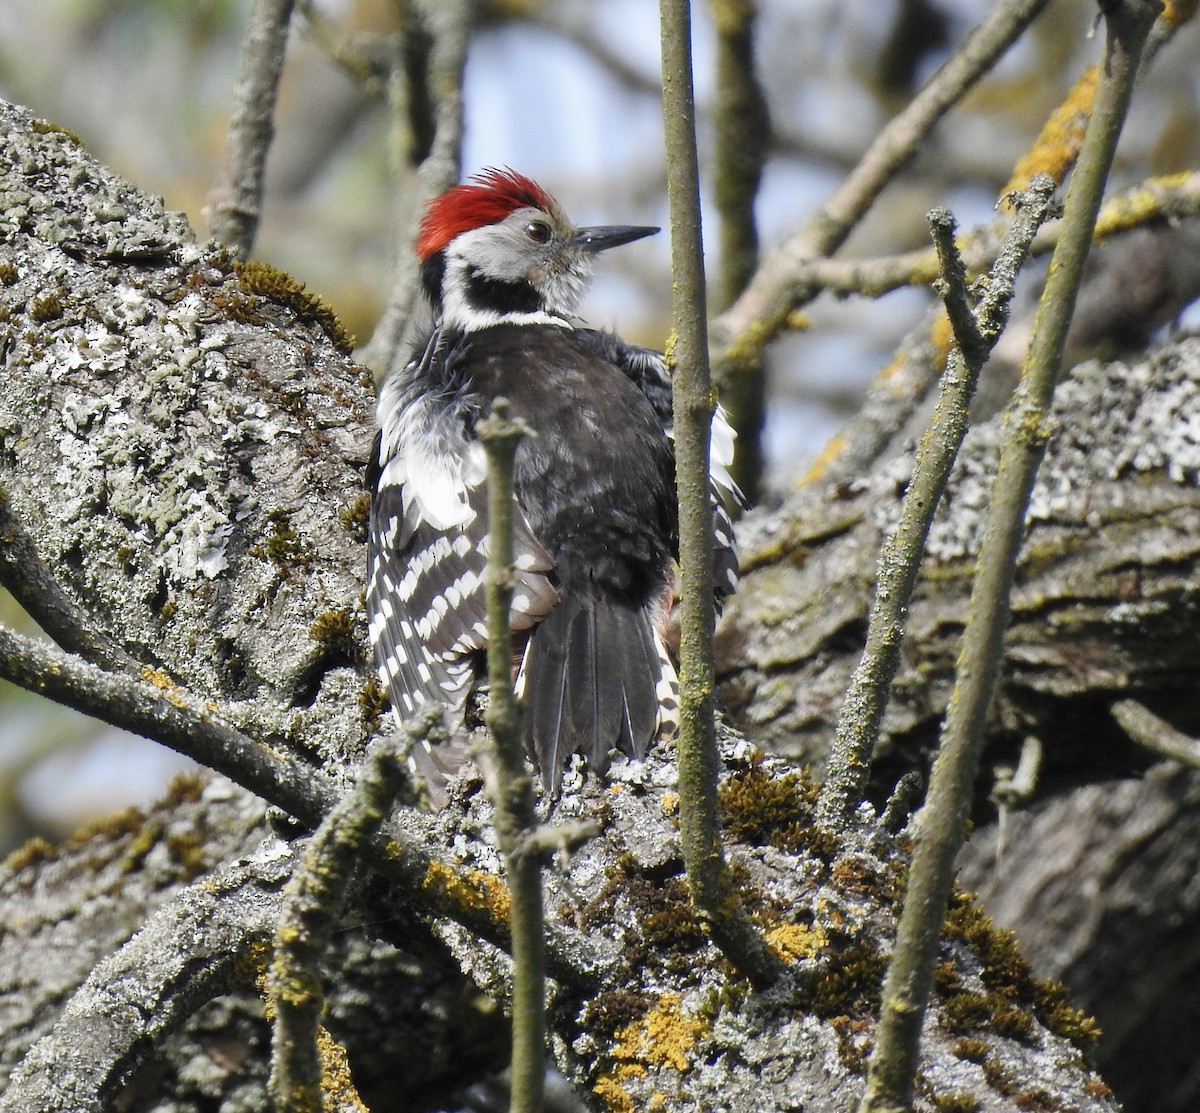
point(538, 231)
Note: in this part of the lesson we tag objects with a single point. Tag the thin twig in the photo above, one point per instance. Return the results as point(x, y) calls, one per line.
point(942, 824)
point(708, 878)
point(510, 781)
point(900, 558)
point(251, 126)
point(1147, 729)
point(29, 580)
point(764, 307)
point(425, 99)
point(364, 58)
point(1151, 202)
point(951, 286)
point(312, 904)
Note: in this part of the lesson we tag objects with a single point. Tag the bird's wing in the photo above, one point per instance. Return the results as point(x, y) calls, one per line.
point(426, 596)
point(647, 370)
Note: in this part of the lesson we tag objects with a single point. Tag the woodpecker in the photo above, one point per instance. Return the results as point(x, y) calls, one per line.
point(595, 520)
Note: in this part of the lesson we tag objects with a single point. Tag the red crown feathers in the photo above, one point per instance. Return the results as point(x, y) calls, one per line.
point(486, 198)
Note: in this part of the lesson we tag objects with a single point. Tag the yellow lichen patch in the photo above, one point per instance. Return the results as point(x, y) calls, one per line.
point(669, 350)
point(834, 447)
point(339, 1090)
point(744, 352)
point(1152, 200)
point(250, 969)
point(664, 1037)
point(172, 692)
point(794, 942)
point(469, 889)
point(670, 803)
point(942, 336)
point(1177, 12)
point(159, 679)
point(1056, 148)
point(610, 1086)
point(797, 321)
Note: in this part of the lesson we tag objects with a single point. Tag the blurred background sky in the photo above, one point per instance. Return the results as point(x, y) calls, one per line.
point(567, 92)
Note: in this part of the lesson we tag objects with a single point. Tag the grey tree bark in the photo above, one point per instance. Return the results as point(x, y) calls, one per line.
point(181, 446)
point(1106, 595)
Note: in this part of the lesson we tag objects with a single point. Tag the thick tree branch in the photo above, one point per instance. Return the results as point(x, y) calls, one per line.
point(28, 580)
point(141, 994)
point(183, 443)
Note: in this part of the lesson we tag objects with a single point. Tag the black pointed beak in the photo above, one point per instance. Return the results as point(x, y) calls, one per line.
point(601, 239)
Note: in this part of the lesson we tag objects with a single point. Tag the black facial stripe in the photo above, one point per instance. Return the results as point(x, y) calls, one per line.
point(484, 292)
point(432, 271)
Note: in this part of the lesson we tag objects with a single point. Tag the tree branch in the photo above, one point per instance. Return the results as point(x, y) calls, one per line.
point(510, 782)
point(775, 290)
point(1155, 733)
point(741, 141)
point(900, 558)
point(143, 992)
point(1153, 201)
point(426, 103)
point(943, 823)
point(155, 706)
point(312, 903)
point(28, 579)
point(708, 875)
point(251, 126)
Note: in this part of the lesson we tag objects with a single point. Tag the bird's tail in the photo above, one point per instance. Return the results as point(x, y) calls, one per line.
point(596, 676)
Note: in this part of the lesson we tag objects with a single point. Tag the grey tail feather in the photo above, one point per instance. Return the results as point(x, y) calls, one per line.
point(435, 766)
point(592, 675)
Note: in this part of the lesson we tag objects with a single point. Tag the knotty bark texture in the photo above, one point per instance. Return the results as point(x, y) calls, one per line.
point(181, 443)
point(1100, 887)
point(1105, 604)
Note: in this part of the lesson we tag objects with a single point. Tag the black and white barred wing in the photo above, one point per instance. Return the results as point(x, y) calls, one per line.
point(426, 598)
point(725, 494)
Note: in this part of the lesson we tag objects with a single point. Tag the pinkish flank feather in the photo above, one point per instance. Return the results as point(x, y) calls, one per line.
point(486, 198)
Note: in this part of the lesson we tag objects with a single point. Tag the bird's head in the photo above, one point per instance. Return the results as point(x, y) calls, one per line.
point(499, 248)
